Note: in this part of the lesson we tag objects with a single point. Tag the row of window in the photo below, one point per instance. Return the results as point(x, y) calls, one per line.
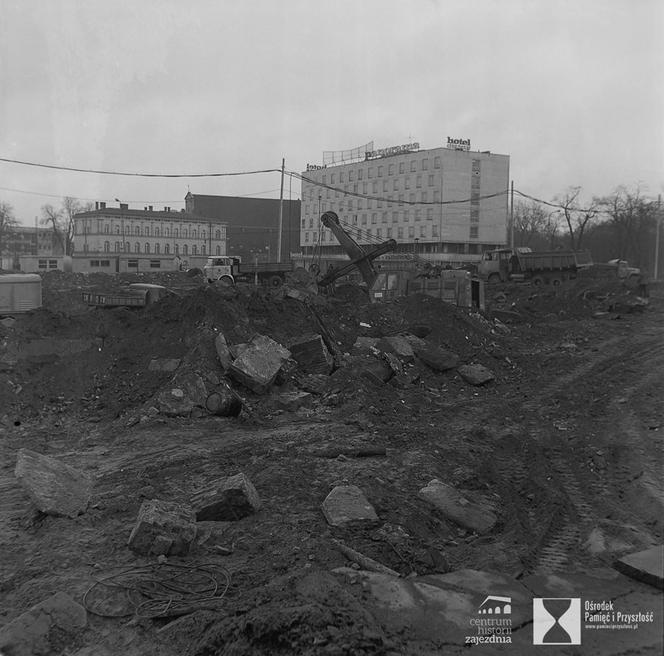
point(145, 231)
point(387, 187)
point(156, 248)
point(423, 233)
point(403, 216)
point(379, 171)
point(360, 203)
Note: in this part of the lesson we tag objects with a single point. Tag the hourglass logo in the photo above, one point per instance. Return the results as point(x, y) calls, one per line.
point(556, 621)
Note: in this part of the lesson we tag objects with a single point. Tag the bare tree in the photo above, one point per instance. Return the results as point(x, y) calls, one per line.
point(8, 223)
point(577, 218)
point(530, 220)
point(61, 221)
point(632, 219)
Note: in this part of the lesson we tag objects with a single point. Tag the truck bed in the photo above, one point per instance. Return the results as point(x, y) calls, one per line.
point(553, 260)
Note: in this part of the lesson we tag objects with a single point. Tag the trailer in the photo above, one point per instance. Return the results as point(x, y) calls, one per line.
point(229, 269)
point(136, 295)
point(538, 267)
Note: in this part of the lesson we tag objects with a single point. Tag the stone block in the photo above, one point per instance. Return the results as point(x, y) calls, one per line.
point(164, 364)
point(312, 355)
point(258, 364)
point(30, 634)
point(232, 498)
point(346, 506)
point(475, 374)
point(293, 401)
point(646, 566)
point(476, 517)
point(193, 387)
point(55, 488)
point(314, 383)
point(163, 527)
point(437, 359)
point(223, 351)
point(399, 346)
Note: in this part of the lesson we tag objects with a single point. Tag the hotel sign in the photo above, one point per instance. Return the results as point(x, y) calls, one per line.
point(458, 144)
point(392, 150)
point(315, 167)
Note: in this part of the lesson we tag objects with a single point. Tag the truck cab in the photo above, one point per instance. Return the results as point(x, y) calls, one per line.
point(495, 264)
point(221, 267)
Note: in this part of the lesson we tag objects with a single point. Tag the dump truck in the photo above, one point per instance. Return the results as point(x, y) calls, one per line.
point(229, 269)
point(613, 269)
point(538, 267)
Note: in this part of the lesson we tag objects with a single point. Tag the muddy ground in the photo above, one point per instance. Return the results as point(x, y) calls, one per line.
point(566, 441)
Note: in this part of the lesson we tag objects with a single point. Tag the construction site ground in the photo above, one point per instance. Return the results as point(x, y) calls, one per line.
point(567, 441)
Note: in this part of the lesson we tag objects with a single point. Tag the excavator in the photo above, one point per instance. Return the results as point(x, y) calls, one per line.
point(361, 258)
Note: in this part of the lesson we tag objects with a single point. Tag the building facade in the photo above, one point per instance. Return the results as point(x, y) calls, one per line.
point(253, 224)
point(445, 204)
point(129, 239)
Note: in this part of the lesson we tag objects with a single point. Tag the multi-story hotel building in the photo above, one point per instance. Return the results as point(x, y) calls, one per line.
point(116, 239)
point(446, 204)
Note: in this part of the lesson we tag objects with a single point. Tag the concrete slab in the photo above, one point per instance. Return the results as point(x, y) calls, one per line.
point(646, 566)
point(475, 374)
point(347, 506)
point(230, 499)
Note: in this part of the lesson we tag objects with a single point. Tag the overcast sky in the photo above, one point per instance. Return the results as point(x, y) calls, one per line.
point(571, 90)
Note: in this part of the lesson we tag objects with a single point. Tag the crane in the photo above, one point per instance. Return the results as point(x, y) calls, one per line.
point(360, 258)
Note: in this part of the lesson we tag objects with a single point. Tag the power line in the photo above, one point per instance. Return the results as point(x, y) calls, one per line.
point(132, 174)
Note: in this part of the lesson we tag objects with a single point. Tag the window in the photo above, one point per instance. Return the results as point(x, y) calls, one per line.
point(167, 232)
point(436, 162)
point(107, 228)
point(351, 175)
point(364, 219)
point(117, 246)
point(94, 263)
point(374, 188)
point(137, 231)
point(117, 229)
point(311, 222)
point(424, 198)
point(389, 233)
point(342, 177)
point(395, 217)
point(380, 171)
point(423, 231)
point(105, 263)
point(402, 167)
point(203, 235)
point(374, 217)
point(418, 214)
point(146, 232)
point(217, 234)
point(137, 248)
point(175, 233)
point(360, 174)
point(425, 164)
point(406, 183)
point(332, 178)
point(184, 232)
point(306, 236)
point(364, 188)
point(217, 250)
point(370, 173)
point(147, 247)
point(384, 185)
point(411, 231)
point(413, 166)
point(434, 230)
point(203, 249)
point(167, 249)
point(177, 249)
point(194, 233)
point(107, 247)
point(354, 219)
point(194, 250)
point(431, 180)
point(185, 249)
point(379, 233)
point(418, 181)
point(429, 213)
point(474, 232)
point(411, 197)
point(127, 247)
point(436, 196)
point(304, 223)
point(132, 264)
point(360, 203)
point(399, 232)
point(390, 169)
point(156, 249)
point(395, 185)
point(155, 264)
point(324, 179)
point(156, 232)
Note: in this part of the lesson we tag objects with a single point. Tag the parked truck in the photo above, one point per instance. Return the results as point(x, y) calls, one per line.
point(136, 295)
point(538, 267)
point(613, 269)
point(229, 269)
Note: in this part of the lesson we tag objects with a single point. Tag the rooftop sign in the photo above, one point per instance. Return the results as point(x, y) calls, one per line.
point(392, 150)
point(458, 144)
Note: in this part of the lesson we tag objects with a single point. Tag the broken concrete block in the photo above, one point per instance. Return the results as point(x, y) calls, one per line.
point(471, 515)
point(398, 345)
point(223, 352)
point(293, 401)
point(257, 365)
point(312, 355)
point(224, 402)
point(232, 498)
point(475, 374)
point(437, 358)
point(34, 631)
point(163, 527)
point(55, 488)
point(393, 362)
point(163, 364)
point(347, 506)
point(314, 383)
point(193, 387)
point(646, 566)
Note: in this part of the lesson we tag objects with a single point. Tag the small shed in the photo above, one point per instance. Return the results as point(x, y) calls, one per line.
point(20, 292)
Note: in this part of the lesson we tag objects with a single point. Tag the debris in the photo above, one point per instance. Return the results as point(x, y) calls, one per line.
point(173, 403)
point(164, 364)
point(398, 345)
point(212, 534)
point(231, 499)
point(437, 358)
point(347, 506)
point(365, 343)
point(364, 561)
point(259, 363)
point(223, 352)
point(314, 383)
point(646, 566)
point(360, 452)
point(393, 362)
point(475, 374)
point(312, 355)
point(293, 401)
point(37, 630)
point(8, 322)
point(55, 488)
point(163, 527)
point(224, 402)
point(473, 516)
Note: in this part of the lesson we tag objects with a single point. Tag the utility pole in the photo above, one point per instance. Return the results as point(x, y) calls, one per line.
point(657, 229)
point(512, 217)
point(281, 210)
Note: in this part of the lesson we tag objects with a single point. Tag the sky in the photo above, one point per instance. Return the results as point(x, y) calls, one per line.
point(571, 90)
